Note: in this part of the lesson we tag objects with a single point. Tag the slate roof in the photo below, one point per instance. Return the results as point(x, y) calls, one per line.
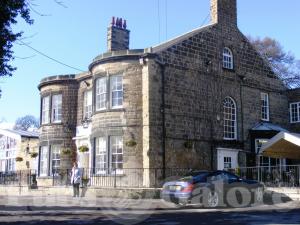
point(268, 126)
point(22, 133)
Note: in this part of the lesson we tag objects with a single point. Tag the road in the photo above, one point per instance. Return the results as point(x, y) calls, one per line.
point(64, 210)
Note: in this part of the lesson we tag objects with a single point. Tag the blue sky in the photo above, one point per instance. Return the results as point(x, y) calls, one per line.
point(76, 34)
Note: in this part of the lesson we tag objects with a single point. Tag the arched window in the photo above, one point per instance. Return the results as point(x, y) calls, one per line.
point(229, 110)
point(227, 59)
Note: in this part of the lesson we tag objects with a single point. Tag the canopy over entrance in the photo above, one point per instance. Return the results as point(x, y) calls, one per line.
point(283, 145)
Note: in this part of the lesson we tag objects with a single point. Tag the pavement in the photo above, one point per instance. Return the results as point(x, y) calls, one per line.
point(58, 210)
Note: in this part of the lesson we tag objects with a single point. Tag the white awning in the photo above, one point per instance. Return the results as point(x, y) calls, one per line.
point(282, 145)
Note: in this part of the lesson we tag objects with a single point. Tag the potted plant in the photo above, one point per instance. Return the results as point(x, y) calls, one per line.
point(85, 181)
point(131, 143)
point(33, 154)
point(83, 149)
point(19, 159)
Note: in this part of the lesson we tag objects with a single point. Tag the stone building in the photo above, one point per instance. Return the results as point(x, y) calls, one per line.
point(206, 99)
point(18, 150)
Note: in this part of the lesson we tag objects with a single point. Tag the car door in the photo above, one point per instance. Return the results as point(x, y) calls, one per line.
point(236, 191)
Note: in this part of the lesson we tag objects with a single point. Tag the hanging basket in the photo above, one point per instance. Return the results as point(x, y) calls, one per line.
point(66, 151)
point(19, 159)
point(83, 149)
point(33, 154)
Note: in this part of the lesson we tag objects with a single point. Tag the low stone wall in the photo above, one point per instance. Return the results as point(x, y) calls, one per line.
point(132, 193)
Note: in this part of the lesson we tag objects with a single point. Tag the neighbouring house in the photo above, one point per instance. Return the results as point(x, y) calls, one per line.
point(206, 99)
point(18, 150)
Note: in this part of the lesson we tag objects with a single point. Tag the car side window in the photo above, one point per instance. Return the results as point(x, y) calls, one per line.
point(216, 177)
point(229, 176)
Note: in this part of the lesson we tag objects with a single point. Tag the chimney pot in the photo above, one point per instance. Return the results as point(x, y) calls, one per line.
point(118, 35)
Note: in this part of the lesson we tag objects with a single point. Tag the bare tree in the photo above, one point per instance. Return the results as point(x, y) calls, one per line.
point(284, 64)
point(27, 122)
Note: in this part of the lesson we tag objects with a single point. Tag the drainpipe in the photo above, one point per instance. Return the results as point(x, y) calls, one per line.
point(163, 116)
point(242, 79)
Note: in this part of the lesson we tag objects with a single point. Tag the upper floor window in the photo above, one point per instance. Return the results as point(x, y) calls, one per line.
point(109, 95)
point(116, 90)
point(101, 93)
point(45, 110)
point(227, 59)
point(264, 97)
point(88, 102)
point(295, 112)
point(56, 108)
point(230, 124)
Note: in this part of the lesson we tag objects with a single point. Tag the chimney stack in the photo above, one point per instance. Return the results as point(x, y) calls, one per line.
point(117, 35)
point(224, 12)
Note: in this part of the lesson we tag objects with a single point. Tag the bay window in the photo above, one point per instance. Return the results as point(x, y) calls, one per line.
point(101, 155)
point(56, 108)
point(109, 92)
point(101, 93)
point(109, 157)
point(116, 90)
point(55, 159)
point(43, 161)
point(45, 110)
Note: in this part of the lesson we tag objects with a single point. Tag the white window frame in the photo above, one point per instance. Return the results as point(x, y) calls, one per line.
point(227, 128)
point(44, 154)
point(227, 162)
point(55, 159)
point(46, 110)
point(88, 104)
point(295, 119)
point(265, 107)
point(109, 157)
point(116, 143)
point(227, 58)
point(56, 109)
point(101, 156)
point(116, 87)
point(101, 93)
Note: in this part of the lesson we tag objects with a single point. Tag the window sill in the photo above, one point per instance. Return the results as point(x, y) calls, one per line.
point(51, 124)
point(229, 70)
point(109, 110)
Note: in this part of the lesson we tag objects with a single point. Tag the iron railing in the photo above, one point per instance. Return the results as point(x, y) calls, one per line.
point(20, 178)
point(272, 176)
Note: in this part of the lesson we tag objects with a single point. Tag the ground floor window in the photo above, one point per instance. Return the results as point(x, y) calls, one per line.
point(8, 160)
point(227, 163)
point(49, 160)
point(109, 154)
point(55, 159)
point(44, 161)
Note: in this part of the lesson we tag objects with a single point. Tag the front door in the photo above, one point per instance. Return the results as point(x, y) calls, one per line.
point(227, 159)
